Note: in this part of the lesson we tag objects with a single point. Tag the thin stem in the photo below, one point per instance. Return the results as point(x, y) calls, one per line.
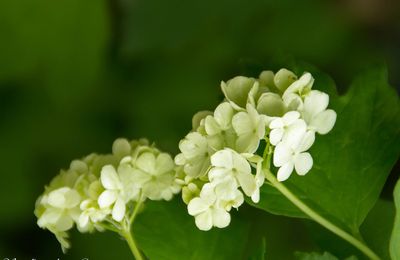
point(318, 218)
point(132, 244)
point(136, 210)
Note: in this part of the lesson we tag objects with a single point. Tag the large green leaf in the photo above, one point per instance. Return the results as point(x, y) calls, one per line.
point(166, 231)
point(395, 240)
point(352, 162)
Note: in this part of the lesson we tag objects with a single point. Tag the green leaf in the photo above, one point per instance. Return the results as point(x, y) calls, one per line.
point(259, 253)
point(165, 231)
point(318, 256)
point(352, 162)
point(377, 235)
point(395, 240)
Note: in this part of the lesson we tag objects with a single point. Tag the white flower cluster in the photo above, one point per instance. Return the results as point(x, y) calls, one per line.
point(221, 157)
point(100, 191)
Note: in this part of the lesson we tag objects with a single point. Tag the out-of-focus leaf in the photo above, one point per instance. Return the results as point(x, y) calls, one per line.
point(165, 231)
point(318, 256)
point(260, 252)
point(395, 239)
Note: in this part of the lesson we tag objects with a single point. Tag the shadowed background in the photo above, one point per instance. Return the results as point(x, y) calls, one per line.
point(75, 75)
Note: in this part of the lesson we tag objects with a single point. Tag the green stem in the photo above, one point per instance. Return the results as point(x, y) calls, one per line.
point(318, 218)
point(136, 210)
point(132, 245)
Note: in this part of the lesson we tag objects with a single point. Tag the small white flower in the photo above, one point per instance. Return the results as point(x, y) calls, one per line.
point(61, 209)
point(250, 128)
point(289, 128)
point(229, 163)
point(221, 121)
point(155, 175)
point(294, 94)
point(315, 113)
point(91, 214)
point(219, 127)
point(301, 87)
point(195, 156)
point(113, 194)
point(288, 157)
point(206, 211)
point(91, 211)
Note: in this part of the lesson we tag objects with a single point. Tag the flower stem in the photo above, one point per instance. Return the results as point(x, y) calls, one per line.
point(132, 245)
point(318, 218)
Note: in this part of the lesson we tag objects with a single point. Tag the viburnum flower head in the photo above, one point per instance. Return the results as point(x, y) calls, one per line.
point(207, 211)
point(99, 190)
point(264, 121)
point(273, 117)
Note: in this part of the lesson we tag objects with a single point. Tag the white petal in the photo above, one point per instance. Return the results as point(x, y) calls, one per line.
point(324, 121)
point(140, 178)
point(64, 223)
point(290, 117)
point(207, 194)
point(83, 220)
point(242, 123)
point(295, 133)
point(282, 154)
point(147, 162)
point(276, 136)
point(307, 141)
point(222, 158)
point(315, 102)
point(226, 189)
point(255, 197)
point(217, 173)
point(247, 143)
point(49, 216)
point(56, 198)
point(285, 171)
point(118, 211)
point(221, 218)
point(247, 182)
point(196, 206)
point(276, 123)
point(211, 125)
point(223, 115)
point(304, 82)
point(109, 178)
point(293, 101)
point(204, 221)
point(303, 163)
point(107, 198)
point(240, 163)
point(193, 144)
point(164, 163)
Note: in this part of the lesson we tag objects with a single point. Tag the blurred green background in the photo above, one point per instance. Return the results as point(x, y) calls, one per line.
point(75, 75)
